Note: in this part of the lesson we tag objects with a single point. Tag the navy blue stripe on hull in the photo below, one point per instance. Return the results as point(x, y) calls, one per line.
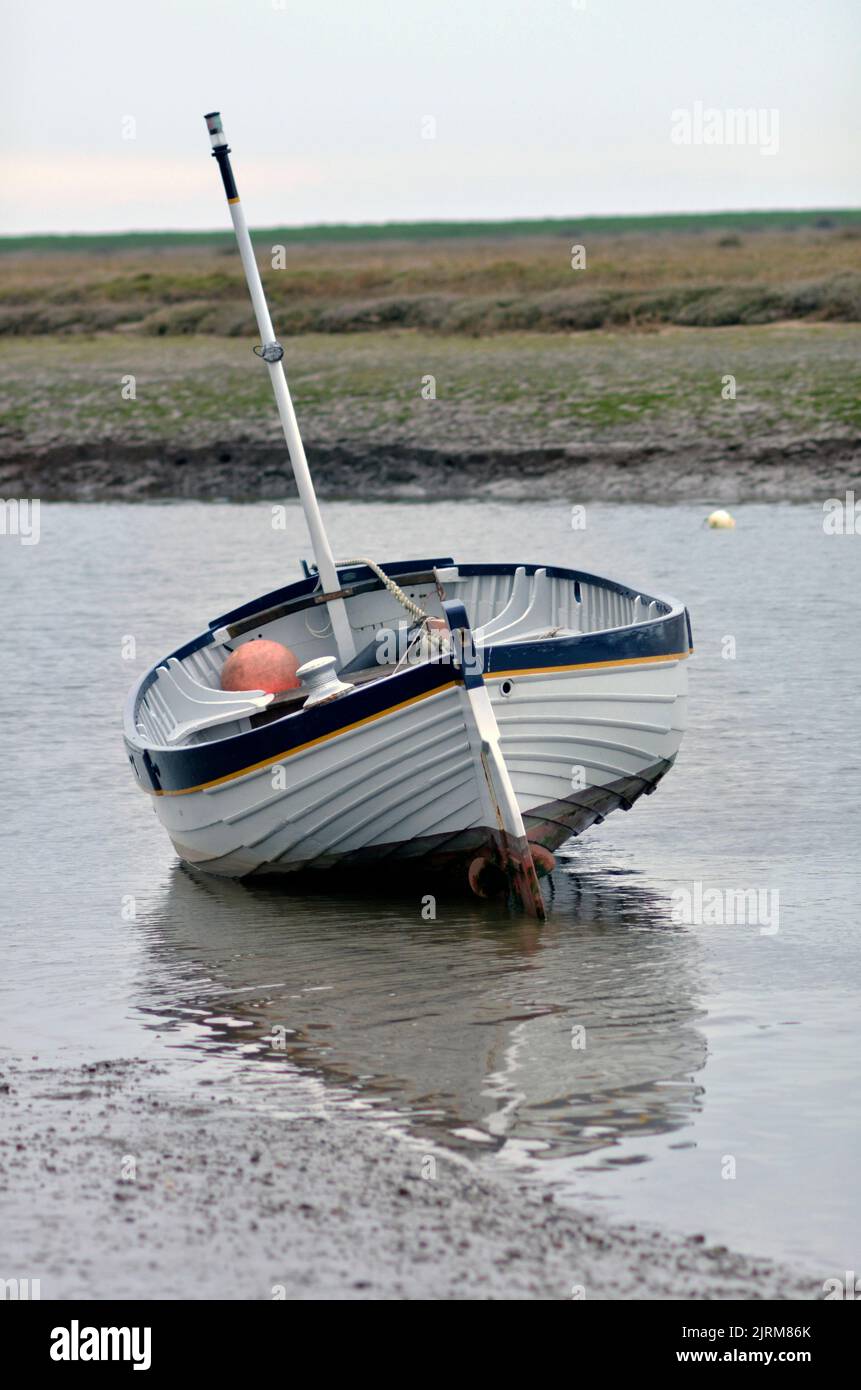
point(179, 768)
point(182, 768)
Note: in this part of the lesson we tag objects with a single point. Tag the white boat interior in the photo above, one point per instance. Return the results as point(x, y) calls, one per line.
point(185, 704)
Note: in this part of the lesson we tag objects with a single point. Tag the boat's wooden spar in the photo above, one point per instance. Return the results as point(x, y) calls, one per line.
point(273, 354)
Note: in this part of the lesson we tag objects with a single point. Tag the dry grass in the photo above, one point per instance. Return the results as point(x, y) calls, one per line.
point(458, 286)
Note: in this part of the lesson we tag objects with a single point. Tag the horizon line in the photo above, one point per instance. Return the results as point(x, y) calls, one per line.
point(386, 223)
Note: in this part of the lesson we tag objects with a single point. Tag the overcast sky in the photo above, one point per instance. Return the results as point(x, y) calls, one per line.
point(541, 108)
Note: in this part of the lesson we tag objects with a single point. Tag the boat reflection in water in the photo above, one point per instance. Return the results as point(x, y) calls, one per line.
point(471, 1026)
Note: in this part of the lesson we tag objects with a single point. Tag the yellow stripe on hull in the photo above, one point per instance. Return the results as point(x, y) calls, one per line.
point(416, 699)
point(300, 747)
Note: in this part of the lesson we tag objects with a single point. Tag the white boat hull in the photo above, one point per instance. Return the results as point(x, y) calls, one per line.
point(405, 787)
point(576, 707)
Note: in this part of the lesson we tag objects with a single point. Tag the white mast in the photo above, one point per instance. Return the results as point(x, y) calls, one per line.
point(272, 354)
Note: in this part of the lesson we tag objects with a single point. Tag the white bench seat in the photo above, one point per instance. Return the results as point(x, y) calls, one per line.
point(193, 706)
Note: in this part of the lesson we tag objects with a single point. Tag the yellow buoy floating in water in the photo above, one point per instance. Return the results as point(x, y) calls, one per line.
point(721, 521)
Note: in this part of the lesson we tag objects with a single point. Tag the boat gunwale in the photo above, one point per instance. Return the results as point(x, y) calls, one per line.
point(351, 575)
point(508, 658)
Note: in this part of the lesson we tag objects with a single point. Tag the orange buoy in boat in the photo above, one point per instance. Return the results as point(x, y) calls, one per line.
point(260, 665)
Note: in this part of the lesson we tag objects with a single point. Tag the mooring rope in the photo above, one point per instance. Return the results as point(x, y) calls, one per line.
point(394, 589)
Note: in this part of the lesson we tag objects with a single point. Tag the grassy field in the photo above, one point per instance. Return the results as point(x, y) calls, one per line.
point(697, 272)
point(526, 391)
point(536, 366)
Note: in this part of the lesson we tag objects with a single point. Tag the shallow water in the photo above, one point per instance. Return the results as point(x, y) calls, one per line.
point(617, 1053)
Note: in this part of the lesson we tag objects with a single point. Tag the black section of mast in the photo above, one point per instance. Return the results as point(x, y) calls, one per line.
point(221, 152)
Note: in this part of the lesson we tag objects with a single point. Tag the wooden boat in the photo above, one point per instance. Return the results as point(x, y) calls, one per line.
point(455, 717)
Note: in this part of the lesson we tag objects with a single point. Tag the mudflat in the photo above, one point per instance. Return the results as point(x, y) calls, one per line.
point(771, 412)
point(112, 1186)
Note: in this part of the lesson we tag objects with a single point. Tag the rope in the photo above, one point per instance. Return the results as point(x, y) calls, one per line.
point(418, 613)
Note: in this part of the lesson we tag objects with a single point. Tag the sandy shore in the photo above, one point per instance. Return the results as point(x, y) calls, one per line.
point(228, 1202)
